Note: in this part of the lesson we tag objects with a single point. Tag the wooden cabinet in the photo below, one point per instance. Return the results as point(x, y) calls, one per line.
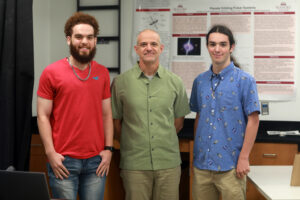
point(38, 159)
point(273, 154)
point(269, 154)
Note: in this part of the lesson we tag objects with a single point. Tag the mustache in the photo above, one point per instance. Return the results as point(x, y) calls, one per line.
point(84, 46)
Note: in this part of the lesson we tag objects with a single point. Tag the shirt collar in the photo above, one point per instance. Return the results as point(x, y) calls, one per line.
point(222, 73)
point(139, 73)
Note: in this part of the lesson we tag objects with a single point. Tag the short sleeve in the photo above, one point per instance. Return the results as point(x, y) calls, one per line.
point(46, 89)
point(181, 105)
point(117, 109)
point(250, 96)
point(193, 100)
point(106, 92)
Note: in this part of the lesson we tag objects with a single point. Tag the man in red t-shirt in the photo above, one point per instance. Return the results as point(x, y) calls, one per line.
point(74, 115)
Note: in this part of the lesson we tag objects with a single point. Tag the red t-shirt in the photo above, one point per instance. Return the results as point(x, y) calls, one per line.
point(76, 119)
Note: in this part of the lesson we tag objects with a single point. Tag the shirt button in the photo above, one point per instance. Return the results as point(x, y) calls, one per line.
point(210, 124)
point(151, 123)
point(152, 137)
point(209, 136)
point(208, 150)
point(149, 97)
point(150, 110)
point(152, 149)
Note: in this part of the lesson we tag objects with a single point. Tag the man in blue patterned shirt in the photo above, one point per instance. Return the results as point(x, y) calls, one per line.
point(226, 102)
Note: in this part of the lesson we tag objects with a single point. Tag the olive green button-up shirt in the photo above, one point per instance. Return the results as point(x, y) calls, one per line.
point(147, 109)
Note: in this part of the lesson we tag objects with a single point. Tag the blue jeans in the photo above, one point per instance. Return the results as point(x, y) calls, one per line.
point(82, 179)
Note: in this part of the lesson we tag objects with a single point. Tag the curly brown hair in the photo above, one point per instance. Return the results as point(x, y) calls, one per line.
point(81, 18)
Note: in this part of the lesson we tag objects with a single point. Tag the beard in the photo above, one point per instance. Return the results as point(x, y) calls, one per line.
point(86, 58)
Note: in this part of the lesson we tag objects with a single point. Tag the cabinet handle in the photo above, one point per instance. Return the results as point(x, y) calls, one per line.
point(269, 155)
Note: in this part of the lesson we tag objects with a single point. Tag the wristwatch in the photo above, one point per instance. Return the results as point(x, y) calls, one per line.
point(110, 148)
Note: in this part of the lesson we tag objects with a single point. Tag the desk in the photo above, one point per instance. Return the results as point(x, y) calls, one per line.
point(274, 182)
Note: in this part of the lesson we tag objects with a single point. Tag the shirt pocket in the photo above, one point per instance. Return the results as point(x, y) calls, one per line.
point(229, 99)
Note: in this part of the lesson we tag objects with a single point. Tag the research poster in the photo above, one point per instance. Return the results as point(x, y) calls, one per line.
point(265, 33)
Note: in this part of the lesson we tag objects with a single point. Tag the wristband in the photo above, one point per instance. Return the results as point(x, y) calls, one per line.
point(110, 148)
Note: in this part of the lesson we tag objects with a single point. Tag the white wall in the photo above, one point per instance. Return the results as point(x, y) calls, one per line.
point(41, 40)
point(127, 9)
point(49, 17)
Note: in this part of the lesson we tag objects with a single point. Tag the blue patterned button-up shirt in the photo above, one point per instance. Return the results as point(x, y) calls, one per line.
point(223, 102)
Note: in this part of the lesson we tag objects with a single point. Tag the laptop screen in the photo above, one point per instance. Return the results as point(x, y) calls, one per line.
point(23, 185)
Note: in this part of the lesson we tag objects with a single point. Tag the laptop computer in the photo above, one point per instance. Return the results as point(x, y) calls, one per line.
point(21, 185)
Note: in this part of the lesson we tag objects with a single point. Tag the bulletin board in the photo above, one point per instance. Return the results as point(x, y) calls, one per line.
point(265, 33)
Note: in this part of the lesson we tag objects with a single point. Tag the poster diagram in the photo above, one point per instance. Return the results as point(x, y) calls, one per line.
point(189, 46)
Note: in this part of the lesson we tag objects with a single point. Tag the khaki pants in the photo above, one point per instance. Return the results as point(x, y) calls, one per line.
point(152, 184)
point(208, 185)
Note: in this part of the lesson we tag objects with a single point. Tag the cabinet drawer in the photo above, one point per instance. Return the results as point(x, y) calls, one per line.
point(38, 158)
point(273, 154)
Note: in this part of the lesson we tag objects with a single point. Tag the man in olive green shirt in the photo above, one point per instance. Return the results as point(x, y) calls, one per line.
point(149, 104)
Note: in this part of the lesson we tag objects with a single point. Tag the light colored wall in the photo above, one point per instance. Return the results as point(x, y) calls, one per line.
point(60, 11)
point(41, 39)
point(126, 34)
